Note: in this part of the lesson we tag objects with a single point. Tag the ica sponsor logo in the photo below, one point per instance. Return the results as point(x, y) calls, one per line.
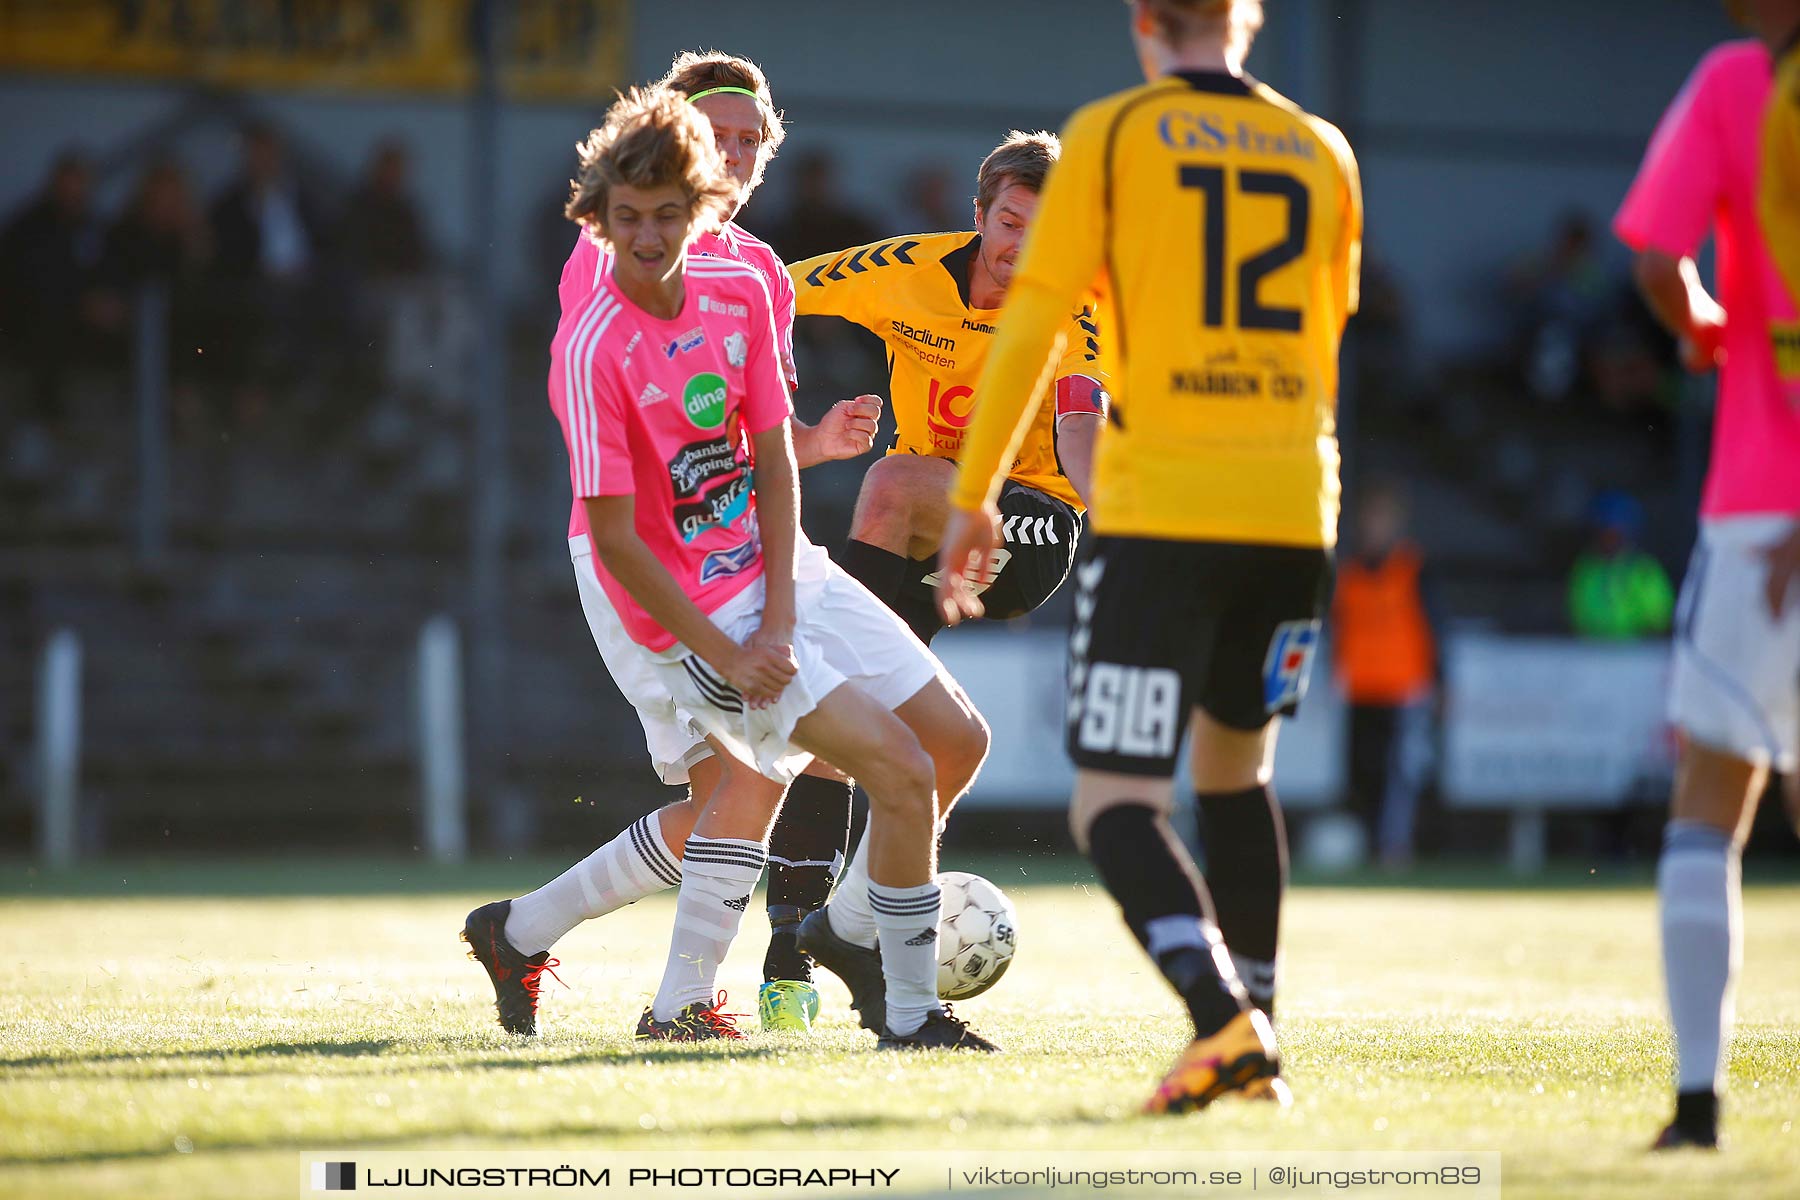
point(947, 412)
point(703, 399)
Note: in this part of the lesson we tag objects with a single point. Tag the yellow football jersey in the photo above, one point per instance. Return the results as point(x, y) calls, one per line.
point(913, 293)
point(1221, 227)
point(1779, 188)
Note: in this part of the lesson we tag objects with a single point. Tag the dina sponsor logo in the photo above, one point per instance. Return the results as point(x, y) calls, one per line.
point(699, 463)
point(703, 399)
point(722, 506)
point(693, 339)
point(722, 564)
point(723, 308)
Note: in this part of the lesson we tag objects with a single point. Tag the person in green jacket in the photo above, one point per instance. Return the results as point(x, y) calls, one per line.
point(1617, 592)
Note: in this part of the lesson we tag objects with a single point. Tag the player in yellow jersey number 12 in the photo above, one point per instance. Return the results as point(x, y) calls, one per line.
point(1220, 225)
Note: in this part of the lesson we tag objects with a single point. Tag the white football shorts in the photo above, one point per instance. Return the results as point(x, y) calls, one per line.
point(1735, 685)
point(675, 742)
point(844, 635)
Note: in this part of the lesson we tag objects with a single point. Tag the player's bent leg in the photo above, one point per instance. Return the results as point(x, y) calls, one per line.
point(953, 733)
point(900, 515)
point(1244, 840)
point(1120, 820)
point(511, 939)
point(856, 732)
point(721, 862)
point(1699, 894)
point(807, 848)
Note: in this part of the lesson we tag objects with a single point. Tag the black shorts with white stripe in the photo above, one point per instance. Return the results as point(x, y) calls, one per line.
point(1039, 535)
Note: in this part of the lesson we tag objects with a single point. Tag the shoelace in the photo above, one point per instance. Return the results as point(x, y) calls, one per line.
point(531, 978)
point(722, 1023)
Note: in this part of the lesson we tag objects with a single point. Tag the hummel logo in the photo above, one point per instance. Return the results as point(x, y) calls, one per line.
point(740, 904)
point(924, 939)
point(1030, 531)
point(650, 395)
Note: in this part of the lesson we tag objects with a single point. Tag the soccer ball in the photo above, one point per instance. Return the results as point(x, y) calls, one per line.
point(976, 936)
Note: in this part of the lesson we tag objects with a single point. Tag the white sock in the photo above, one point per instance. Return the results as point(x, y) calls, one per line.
point(718, 875)
point(849, 913)
point(1700, 892)
point(635, 864)
point(908, 921)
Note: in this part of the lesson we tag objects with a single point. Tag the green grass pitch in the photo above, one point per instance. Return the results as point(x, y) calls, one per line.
point(187, 1031)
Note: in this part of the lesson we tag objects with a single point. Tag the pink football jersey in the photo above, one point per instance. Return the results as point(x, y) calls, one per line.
point(660, 410)
point(1700, 173)
point(591, 258)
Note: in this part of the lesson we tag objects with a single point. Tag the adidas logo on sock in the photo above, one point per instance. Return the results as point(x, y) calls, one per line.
point(740, 904)
point(924, 939)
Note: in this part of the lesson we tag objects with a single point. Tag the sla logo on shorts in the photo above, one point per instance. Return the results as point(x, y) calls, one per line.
point(703, 399)
point(1130, 711)
point(722, 564)
point(1288, 664)
point(737, 349)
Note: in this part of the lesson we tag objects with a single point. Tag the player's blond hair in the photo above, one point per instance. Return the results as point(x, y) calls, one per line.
point(651, 137)
point(1236, 22)
point(696, 71)
point(1023, 158)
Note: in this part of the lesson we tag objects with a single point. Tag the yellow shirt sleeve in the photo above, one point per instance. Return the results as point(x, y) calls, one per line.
point(1348, 263)
point(1063, 256)
point(1778, 191)
point(830, 286)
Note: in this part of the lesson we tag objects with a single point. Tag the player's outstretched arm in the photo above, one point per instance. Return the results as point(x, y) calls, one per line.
point(1672, 288)
point(777, 485)
point(760, 674)
point(845, 431)
point(1076, 434)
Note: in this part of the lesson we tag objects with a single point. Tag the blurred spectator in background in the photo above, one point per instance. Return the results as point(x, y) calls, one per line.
point(818, 220)
point(49, 266)
point(838, 358)
point(933, 203)
point(1617, 592)
point(1564, 296)
point(161, 240)
point(1385, 653)
point(266, 238)
point(160, 237)
point(382, 235)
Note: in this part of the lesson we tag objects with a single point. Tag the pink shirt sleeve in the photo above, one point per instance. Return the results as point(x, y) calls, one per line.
point(783, 300)
point(1671, 202)
point(599, 441)
point(766, 402)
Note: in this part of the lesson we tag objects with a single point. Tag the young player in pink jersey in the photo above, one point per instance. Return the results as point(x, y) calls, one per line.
point(668, 382)
point(513, 938)
point(1735, 689)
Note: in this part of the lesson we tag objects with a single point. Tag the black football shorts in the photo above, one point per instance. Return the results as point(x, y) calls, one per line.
point(1162, 627)
point(1038, 533)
